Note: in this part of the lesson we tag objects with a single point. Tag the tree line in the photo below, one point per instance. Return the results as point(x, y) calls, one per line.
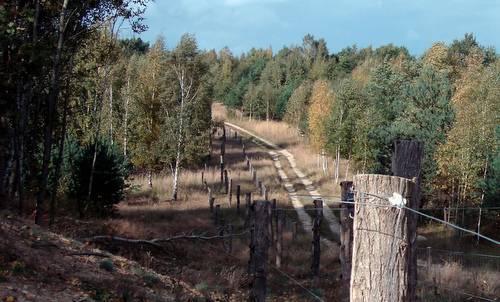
point(82, 108)
point(355, 103)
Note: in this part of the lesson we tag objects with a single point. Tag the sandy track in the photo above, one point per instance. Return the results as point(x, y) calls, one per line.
point(275, 152)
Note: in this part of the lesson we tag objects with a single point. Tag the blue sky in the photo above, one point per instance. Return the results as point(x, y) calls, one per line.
point(242, 24)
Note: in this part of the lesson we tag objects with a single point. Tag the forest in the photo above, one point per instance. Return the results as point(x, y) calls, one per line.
point(86, 111)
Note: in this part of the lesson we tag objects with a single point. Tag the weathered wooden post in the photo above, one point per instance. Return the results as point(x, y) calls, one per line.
point(429, 259)
point(407, 162)
point(238, 192)
point(381, 247)
point(221, 170)
point(259, 248)
point(248, 202)
point(211, 202)
point(316, 248)
point(226, 182)
point(346, 212)
point(217, 214)
point(279, 237)
point(230, 192)
point(223, 143)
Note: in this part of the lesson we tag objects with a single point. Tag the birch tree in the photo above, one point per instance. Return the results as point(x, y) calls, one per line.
point(187, 71)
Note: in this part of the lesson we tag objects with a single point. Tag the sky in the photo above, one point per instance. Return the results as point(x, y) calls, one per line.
point(243, 24)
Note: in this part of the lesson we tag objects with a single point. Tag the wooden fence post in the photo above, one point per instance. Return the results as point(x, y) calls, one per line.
point(346, 212)
point(217, 214)
point(221, 170)
point(226, 182)
point(316, 248)
point(238, 192)
point(279, 237)
point(230, 191)
point(211, 202)
point(381, 247)
point(248, 202)
point(259, 248)
point(429, 259)
point(407, 162)
point(223, 143)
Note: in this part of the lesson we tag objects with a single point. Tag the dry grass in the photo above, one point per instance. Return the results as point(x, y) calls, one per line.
point(150, 214)
point(453, 280)
point(287, 137)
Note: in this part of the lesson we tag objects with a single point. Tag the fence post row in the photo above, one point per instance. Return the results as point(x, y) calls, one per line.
point(407, 162)
point(381, 247)
point(346, 234)
point(316, 247)
point(259, 251)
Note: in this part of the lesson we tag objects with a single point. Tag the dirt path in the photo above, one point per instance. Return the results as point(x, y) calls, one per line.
point(275, 152)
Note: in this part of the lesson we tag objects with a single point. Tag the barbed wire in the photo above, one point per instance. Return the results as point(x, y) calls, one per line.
point(460, 253)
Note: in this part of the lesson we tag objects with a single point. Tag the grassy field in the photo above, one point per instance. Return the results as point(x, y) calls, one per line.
point(206, 265)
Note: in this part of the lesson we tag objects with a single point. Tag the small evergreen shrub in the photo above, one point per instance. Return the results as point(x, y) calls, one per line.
point(108, 179)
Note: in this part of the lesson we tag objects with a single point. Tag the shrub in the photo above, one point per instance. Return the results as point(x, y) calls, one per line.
point(108, 179)
point(107, 265)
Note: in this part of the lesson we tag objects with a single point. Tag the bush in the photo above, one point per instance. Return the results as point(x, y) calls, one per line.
point(107, 265)
point(108, 179)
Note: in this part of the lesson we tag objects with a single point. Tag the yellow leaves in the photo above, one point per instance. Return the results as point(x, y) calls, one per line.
point(322, 98)
point(436, 57)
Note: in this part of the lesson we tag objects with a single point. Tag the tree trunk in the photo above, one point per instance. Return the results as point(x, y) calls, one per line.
point(125, 127)
point(58, 164)
point(346, 225)
point(19, 146)
point(49, 119)
point(179, 139)
point(381, 249)
point(150, 180)
point(111, 113)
